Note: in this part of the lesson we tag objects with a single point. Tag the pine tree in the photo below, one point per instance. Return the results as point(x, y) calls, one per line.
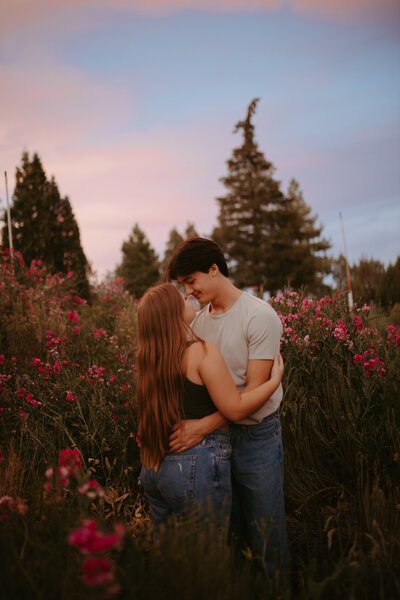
point(139, 266)
point(297, 245)
point(43, 224)
point(269, 239)
point(174, 241)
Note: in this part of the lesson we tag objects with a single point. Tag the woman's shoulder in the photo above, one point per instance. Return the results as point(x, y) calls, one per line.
point(198, 360)
point(198, 350)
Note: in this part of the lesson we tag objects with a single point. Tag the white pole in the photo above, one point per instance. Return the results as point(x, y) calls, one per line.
point(10, 240)
point(350, 293)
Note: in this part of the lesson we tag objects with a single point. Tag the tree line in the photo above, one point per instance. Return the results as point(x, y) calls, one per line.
point(270, 236)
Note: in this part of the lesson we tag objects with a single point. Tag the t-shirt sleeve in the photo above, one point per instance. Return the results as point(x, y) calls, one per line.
point(264, 333)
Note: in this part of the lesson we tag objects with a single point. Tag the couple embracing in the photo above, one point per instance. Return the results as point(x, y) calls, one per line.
point(209, 391)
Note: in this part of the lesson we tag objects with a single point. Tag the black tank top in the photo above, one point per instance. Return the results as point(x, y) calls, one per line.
point(197, 402)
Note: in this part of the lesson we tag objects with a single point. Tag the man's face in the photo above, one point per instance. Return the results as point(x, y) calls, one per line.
point(198, 284)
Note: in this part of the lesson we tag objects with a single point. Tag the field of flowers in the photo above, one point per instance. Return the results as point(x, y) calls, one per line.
point(73, 521)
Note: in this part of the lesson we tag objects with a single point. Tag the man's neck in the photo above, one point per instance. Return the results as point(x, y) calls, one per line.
point(225, 297)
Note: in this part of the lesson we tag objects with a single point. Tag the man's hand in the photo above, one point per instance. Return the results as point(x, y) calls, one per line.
point(186, 434)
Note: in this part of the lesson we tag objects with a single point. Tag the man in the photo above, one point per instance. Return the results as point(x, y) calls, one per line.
point(247, 331)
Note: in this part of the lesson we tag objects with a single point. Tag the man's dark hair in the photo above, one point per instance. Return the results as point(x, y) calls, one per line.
point(196, 254)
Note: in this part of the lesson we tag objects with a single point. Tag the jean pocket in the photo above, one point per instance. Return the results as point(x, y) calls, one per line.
point(223, 450)
point(176, 477)
point(265, 430)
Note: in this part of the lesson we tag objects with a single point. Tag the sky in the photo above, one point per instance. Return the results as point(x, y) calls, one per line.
point(131, 105)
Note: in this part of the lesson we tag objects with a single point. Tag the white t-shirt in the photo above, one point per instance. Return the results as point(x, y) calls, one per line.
point(250, 329)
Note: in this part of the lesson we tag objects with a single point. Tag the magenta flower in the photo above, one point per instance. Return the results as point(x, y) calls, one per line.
point(90, 540)
point(92, 489)
point(71, 459)
point(97, 571)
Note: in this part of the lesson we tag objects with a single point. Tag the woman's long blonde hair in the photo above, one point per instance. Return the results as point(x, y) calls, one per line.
point(163, 337)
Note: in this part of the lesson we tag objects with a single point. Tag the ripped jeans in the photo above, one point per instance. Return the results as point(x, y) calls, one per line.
point(198, 476)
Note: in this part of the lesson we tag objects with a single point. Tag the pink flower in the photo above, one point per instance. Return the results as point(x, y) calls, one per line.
point(358, 324)
point(92, 489)
point(29, 398)
point(91, 541)
point(71, 459)
point(73, 317)
point(7, 501)
point(70, 397)
point(7, 504)
point(97, 571)
point(99, 333)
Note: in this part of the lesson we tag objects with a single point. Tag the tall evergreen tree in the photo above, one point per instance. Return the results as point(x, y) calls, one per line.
point(298, 250)
point(174, 241)
point(43, 224)
point(139, 266)
point(269, 239)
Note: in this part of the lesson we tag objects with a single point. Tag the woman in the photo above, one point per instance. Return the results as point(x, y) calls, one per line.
point(183, 377)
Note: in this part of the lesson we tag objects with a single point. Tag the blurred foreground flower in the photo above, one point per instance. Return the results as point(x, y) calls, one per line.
point(97, 570)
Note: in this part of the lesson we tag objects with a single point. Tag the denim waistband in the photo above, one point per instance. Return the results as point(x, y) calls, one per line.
point(219, 434)
point(274, 414)
point(241, 427)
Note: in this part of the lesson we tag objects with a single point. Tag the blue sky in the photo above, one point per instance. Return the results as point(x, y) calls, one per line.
point(132, 110)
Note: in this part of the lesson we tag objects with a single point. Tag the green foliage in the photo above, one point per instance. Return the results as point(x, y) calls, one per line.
point(269, 239)
point(139, 267)
point(43, 224)
point(341, 428)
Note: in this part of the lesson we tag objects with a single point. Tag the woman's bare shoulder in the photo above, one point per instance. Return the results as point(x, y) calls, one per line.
point(201, 348)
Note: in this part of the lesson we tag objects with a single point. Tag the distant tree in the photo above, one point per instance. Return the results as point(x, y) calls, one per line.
point(365, 278)
point(174, 241)
point(339, 273)
point(298, 250)
point(190, 231)
point(269, 239)
point(43, 224)
point(388, 290)
point(139, 266)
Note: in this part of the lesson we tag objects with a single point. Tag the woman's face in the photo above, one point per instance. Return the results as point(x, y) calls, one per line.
point(188, 312)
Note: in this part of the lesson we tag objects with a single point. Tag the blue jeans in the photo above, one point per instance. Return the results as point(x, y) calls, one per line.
point(198, 476)
point(258, 510)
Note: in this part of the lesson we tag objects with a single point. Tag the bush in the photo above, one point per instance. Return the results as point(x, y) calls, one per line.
point(67, 383)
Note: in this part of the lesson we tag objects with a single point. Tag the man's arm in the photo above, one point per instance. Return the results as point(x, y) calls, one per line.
point(258, 371)
point(191, 432)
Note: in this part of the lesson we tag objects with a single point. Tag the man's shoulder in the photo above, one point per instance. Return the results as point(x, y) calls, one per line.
point(254, 305)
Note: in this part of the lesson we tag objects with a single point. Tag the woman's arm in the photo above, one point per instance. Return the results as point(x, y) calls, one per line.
point(216, 377)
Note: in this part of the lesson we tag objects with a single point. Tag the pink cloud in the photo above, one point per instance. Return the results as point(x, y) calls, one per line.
point(22, 13)
point(145, 178)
